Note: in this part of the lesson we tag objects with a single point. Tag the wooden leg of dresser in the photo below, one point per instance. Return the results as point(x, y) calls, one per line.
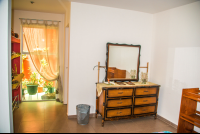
point(155, 117)
point(96, 114)
point(102, 123)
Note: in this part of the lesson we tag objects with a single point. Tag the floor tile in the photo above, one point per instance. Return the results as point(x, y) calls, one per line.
point(127, 126)
point(64, 130)
point(31, 126)
point(160, 129)
point(51, 117)
point(33, 117)
point(34, 132)
point(108, 128)
point(55, 124)
point(82, 129)
point(55, 115)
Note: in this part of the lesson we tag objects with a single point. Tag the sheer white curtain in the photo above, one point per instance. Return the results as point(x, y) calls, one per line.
point(41, 39)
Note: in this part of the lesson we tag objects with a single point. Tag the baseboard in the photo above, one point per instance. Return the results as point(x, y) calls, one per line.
point(75, 116)
point(158, 116)
point(167, 121)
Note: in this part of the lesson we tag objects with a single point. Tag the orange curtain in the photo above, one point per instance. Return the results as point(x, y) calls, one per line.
point(41, 41)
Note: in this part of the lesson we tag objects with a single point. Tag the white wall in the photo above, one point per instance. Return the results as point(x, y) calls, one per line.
point(91, 28)
point(45, 16)
point(66, 64)
point(175, 56)
point(6, 117)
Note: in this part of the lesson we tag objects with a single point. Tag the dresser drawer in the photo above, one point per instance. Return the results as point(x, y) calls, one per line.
point(143, 110)
point(119, 103)
point(118, 112)
point(144, 101)
point(120, 92)
point(146, 91)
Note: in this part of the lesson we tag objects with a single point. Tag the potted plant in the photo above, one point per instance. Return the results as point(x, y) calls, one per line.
point(24, 82)
point(32, 84)
point(49, 86)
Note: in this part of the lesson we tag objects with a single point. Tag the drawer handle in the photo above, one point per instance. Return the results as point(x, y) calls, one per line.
point(119, 102)
point(119, 112)
point(120, 92)
point(145, 100)
point(144, 110)
point(146, 91)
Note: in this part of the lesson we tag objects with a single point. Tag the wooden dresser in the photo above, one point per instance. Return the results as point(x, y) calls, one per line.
point(114, 102)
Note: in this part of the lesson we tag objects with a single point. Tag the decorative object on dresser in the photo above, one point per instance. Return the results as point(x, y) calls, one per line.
point(144, 77)
point(125, 99)
point(189, 116)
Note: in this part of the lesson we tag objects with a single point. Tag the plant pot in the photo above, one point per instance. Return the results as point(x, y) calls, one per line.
point(23, 91)
point(32, 89)
point(51, 90)
point(40, 89)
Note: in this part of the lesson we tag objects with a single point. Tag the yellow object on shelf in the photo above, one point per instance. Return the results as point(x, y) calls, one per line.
point(15, 56)
point(19, 79)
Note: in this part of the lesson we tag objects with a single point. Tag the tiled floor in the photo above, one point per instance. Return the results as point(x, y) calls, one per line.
point(50, 117)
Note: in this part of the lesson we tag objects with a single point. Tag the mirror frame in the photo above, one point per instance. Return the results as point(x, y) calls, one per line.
point(107, 60)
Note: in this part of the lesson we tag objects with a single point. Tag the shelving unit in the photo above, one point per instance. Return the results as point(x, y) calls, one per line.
point(189, 116)
point(16, 96)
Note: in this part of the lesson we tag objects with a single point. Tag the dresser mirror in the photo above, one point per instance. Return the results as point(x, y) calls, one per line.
point(122, 63)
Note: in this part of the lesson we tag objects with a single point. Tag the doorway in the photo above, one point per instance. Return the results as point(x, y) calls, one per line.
point(34, 87)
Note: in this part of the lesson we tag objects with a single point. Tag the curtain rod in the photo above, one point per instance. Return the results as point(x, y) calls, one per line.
point(38, 19)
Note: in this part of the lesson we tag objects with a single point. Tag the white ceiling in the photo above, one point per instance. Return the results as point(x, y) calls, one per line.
point(148, 6)
point(59, 6)
point(49, 6)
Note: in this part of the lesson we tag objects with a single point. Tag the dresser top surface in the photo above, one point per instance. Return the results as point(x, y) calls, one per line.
point(137, 84)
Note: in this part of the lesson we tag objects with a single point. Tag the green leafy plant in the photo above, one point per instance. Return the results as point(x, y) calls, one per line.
point(41, 81)
point(48, 84)
point(33, 78)
point(24, 82)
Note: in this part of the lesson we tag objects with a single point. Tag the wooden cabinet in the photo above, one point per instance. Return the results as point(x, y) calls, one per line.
point(127, 101)
point(189, 116)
